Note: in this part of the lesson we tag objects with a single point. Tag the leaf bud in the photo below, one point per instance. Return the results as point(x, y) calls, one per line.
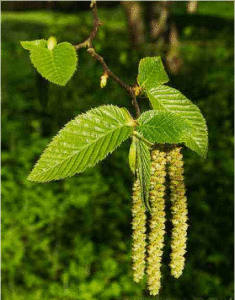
point(137, 90)
point(51, 43)
point(103, 80)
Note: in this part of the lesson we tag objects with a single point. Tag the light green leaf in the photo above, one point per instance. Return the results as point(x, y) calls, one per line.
point(163, 127)
point(32, 45)
point(151, 72)
point(83, 142)
point(143, 170)
point(57, 63)
point(164, 98)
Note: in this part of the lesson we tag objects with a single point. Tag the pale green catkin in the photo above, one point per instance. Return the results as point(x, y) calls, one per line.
point(139, 237)
point(157, 222)
point(179, 211)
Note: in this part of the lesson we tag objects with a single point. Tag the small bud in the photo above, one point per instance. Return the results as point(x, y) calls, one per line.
point(51, 43)
point(103, 80)
point(137, 90)
point(92, 3)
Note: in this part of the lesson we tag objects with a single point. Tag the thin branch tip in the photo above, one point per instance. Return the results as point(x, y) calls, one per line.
point(91, 50)
point(92, 3)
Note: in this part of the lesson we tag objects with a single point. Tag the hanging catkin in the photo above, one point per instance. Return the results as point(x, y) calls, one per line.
point(157, 222)
point(179, 211)
point(139, 237)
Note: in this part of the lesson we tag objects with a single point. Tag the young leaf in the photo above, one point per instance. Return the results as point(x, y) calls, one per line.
point(143, 170)
point(164, 98)
point(83, 142)
point(56, 63)
point(151, 72)
point(163, 127)
point(34, 45)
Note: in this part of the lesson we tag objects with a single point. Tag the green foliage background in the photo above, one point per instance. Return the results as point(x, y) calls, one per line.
point(71, 239)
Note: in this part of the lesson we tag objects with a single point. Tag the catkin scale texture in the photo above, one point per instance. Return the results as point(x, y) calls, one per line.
point(179, 211)
point(163, 161)
point(157, 221)
point(138, 236)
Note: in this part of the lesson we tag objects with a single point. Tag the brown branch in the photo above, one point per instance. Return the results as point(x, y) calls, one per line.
point(96, 23)
point(91, 50)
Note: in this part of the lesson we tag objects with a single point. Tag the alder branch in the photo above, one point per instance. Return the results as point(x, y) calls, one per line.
point(91, 50)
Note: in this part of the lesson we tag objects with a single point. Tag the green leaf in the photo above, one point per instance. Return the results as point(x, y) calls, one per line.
point(163, 127)
point(164, 98)
point(151, 72)
point(57, 63)
point(83, 142)
point(143, 170)
point(133, 155)
point(32, 45)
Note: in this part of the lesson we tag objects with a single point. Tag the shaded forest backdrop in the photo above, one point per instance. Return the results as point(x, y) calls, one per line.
point(71, 239)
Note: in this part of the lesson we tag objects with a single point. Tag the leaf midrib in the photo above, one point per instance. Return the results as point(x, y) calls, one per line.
point(53, 59)
point(149, 75)
point(165, 131)
point(58, 73)
point(190, 124)
point(80, 149)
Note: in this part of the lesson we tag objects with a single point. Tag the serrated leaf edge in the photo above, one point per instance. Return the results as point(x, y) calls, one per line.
point(152, 71)
point(63, 83)
point(203, 151)
point(31, 177)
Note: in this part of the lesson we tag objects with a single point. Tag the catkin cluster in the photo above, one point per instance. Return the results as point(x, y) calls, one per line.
point(163, 161)
point(179, 211)
point(157, 222)
point(139, 228)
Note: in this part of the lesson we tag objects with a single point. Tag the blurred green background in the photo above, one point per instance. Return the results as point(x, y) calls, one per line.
point(71, 239)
